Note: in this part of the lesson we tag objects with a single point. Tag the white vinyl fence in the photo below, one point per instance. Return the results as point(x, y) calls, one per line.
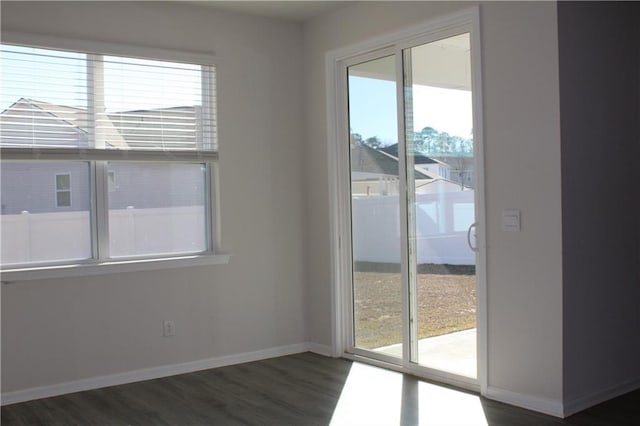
point(46, 237)
point(159, 230)
point(442, 221)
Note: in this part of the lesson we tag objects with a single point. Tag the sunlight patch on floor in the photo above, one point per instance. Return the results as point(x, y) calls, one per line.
point(375, 396)
point(370, 396)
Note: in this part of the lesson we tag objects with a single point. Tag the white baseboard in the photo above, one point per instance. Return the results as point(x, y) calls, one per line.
point(558, 408)
point(584, 402)
point(154, 373)
point(319, 349)
point(547, 406)
point(543, 405)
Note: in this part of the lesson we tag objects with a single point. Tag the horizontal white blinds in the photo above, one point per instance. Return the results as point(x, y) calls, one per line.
point(91, 154)
point(56, 99)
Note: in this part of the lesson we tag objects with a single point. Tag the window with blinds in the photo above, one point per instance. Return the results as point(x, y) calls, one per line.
point(104, 157)
point(59, 99)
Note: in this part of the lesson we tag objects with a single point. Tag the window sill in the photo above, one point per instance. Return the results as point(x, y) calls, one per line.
point(114, 266)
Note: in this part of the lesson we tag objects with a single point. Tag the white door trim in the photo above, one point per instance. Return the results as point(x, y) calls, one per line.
point(467, 20)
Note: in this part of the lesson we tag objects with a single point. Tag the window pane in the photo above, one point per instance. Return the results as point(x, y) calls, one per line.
point(375, 207)
point(157, 208)
point(34, 230)
point(53, 99)
point(439, 117)
point(156, 105)
point(63, 182)
point(64, 198)
point(43, 101)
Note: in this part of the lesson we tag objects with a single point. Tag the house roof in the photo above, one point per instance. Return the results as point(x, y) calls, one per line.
point(27, 121)
point(173, 127)
point(365, 159)
point(75, 116)
point(417, 158)
point(79, 118)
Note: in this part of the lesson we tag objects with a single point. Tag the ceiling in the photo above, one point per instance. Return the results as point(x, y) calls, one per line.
point(298, 11)
point(444, 63)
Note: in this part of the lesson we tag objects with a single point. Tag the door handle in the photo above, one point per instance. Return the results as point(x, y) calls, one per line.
point(473, 225)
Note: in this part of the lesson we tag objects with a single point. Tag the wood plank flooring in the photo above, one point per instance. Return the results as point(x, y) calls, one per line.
point(302, 389)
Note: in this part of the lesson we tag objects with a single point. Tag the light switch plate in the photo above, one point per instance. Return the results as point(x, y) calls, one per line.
point(511, 220)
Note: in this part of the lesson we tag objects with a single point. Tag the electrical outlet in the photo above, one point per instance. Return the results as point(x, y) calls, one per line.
point(169, 328)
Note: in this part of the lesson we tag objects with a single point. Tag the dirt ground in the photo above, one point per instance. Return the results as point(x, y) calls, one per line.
point(446, 303)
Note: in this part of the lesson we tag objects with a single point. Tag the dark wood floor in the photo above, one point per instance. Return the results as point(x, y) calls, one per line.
point(303, 389)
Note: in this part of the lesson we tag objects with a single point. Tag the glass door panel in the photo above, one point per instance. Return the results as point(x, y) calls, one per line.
point(413, 207)
point(375, 208)
point(439, 140)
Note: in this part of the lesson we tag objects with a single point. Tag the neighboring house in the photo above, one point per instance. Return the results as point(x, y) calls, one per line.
point(434, 167)
point(457, 169)
point(367, 162)
point(33, 123)
point(461, 169)
point(374, 172)
point(44, 187)
point(45, 125)
point(64, 186)
point(173, 126)
point(429, 173)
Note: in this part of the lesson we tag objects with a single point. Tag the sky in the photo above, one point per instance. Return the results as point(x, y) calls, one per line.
point(129, 84)
point(63, 81)
point(372, 109)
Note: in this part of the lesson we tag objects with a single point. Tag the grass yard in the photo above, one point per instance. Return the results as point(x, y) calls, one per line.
point(446, 303)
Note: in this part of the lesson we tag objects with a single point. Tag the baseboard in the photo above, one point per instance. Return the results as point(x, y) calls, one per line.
point(578, 404)
point(543, 405)
point(153, 373)
point(319, 349)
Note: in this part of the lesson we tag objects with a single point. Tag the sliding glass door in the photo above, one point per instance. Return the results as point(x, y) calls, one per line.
point(413, 206)
point(439, 139)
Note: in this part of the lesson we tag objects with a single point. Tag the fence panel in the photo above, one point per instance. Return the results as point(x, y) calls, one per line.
point(45, 237)
point(157, 231)
point(442, 223)
point(48, 237)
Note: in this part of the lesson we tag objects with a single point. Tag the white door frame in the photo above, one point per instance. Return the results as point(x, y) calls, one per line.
point(467, 20)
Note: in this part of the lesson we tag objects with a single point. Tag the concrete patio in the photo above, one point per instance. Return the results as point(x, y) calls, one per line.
point(454, 352)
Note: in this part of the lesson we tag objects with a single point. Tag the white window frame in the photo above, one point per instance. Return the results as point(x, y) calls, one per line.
point(111, 182)
point(101, 264)
point(58, 191)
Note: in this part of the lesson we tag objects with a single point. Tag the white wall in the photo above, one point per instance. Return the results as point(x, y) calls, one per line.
point(522, 143)
point(62, 330)
point(521, 112)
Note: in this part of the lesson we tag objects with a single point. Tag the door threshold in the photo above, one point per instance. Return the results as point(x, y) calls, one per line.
point(436, 377)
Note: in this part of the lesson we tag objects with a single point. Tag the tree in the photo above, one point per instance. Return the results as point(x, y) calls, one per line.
point(356, 139)
point(373, 142)
point(429, 133)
